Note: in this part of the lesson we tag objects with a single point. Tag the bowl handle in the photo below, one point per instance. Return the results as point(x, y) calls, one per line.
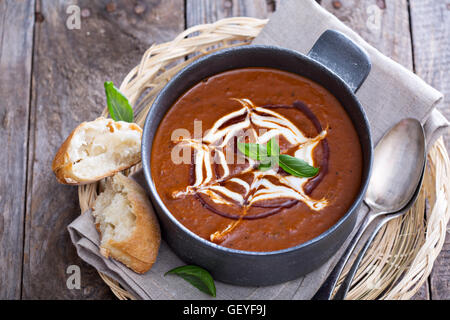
point(343, 57)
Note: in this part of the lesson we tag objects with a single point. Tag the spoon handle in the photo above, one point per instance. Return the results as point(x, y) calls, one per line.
point(326, 290)
point(345, 286)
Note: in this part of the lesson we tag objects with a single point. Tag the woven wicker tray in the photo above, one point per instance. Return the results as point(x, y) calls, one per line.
point(401, 256)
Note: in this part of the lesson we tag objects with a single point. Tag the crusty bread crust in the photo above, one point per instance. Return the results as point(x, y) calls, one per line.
point(139, 251)
point(62, 164)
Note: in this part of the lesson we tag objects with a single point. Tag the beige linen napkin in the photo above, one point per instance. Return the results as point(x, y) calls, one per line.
point(389, 94)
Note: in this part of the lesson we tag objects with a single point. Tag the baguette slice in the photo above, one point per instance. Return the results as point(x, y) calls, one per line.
point(97, 149)
point(128, 226)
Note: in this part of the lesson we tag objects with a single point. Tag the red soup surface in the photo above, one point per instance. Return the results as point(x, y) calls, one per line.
point(223, 195)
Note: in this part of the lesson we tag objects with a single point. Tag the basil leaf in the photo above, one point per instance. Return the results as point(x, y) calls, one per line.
point(118, 106)
point(253, 151)
point(297, 167)
point(273, 149)
point(269, 156)
point(198, 277)
point(264, 166)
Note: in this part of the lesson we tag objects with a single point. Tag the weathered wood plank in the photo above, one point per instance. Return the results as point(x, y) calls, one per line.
point(207, 11)
point(16, 47)
point(70, 68)
point(431, 36)
point(385, 25)
point(431, 39)
point(440, 275)
point(423, 293)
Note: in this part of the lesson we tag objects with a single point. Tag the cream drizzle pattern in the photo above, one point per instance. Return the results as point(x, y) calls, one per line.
point(261, 188)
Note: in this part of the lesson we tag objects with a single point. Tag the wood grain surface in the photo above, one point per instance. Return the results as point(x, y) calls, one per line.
point(70, 67)
point(430, 27)
point(51, 78)
point(207, 11)
point(16, 52)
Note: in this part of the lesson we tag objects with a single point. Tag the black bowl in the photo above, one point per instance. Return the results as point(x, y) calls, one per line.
point(247, 268)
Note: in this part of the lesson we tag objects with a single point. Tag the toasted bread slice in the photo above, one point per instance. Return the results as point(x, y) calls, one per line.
point(128, 226)
point(97, 149)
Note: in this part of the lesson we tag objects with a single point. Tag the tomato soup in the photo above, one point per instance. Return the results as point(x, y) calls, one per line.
point(228, 196)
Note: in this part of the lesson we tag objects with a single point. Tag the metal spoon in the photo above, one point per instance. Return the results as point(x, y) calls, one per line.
point(379, 222)
point(398, 166)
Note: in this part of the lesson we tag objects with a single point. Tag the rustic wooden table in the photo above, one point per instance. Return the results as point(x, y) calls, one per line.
point(51, 78)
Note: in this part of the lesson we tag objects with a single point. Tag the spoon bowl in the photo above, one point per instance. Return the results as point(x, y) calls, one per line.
point(397, 168)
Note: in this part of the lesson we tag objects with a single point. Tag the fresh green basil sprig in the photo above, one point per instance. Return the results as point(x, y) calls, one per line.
point(198, 277)
point(118, 106)
point(269, 155)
